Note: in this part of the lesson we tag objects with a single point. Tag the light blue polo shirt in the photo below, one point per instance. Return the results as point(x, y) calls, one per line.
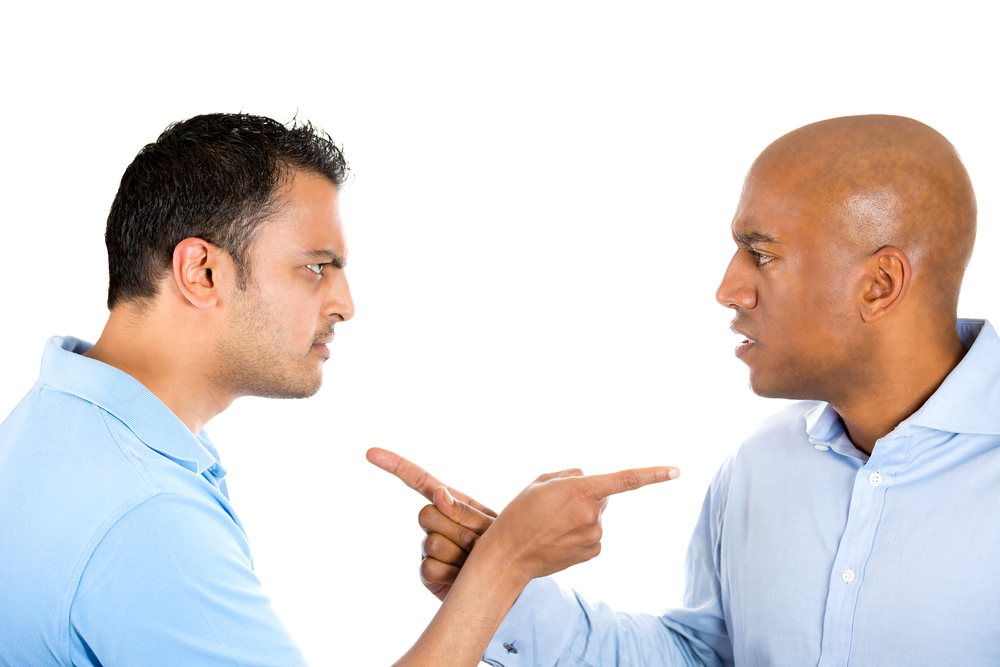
point(118, 544)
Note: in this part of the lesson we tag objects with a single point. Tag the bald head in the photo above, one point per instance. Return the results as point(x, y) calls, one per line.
point(878, 181)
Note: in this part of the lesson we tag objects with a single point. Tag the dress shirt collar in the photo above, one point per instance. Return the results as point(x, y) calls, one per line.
point(960, 405)
point(66, 369)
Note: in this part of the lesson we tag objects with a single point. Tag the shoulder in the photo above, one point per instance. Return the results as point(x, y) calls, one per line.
point(69, 473)
point(169, 532)
point(780, 433)
point(780, 437)
point(60, 445)
point(174, 576)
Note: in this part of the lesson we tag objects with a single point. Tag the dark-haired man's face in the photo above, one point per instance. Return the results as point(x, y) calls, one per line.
point(794, 288)
point(280, 325)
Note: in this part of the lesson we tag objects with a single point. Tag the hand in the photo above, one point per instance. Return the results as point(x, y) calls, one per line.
point(548, 527)
point(449, 540)
point(555, 522)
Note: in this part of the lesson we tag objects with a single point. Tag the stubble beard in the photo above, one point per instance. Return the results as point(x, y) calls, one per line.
point(256, 360)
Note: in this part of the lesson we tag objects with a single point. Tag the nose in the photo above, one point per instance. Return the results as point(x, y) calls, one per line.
point(340, 305)
point(737, 290)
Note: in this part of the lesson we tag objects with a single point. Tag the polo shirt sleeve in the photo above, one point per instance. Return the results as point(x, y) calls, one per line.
point(171, 583)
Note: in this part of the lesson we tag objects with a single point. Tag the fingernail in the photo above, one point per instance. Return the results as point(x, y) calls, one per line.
point(447, 498)
point(674, 473)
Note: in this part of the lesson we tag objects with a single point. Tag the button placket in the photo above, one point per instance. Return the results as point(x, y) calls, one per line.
point(857, 541)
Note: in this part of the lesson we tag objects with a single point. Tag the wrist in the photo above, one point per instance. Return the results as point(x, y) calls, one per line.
point(498, 563)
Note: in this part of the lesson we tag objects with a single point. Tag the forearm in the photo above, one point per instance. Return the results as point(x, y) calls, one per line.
point(462, 628)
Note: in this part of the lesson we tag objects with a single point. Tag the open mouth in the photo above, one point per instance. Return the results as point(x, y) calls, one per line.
point(747, 344)
point(745, 347)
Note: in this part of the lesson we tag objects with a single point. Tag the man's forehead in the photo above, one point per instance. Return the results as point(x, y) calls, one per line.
point(779, 202)
point(307, 226)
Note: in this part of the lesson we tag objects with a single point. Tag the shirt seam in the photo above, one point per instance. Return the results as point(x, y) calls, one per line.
point(152, 490)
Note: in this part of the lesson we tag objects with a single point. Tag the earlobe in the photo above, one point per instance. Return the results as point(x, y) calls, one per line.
point(887, 281)
point(193, 263)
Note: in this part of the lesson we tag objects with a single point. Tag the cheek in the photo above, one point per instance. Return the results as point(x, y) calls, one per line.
point(294, 309)
point(801, 305)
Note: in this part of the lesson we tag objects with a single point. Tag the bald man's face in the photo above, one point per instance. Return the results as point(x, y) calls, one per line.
point(794, 285)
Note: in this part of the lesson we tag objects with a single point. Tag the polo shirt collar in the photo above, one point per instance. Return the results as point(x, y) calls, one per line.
point(962, 404)
point(64, 368)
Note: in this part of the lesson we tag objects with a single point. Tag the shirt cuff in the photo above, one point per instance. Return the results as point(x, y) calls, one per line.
point(537, 629)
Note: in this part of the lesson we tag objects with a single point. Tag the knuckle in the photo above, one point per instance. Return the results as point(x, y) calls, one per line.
point(424, 545)
point(426, 574)
point(629, 481)
point(436, 545)
point(467, 539)
point(426, 516)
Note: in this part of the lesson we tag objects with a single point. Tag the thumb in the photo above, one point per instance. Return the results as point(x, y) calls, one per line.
point(461, 512)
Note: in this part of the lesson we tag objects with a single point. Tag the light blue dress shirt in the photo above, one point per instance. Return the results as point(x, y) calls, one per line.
point(808, 552)
point(118, 544)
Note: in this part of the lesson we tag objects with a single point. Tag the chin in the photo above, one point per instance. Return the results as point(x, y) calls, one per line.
point(286, 387)
point(770, 388)
point(305, 390)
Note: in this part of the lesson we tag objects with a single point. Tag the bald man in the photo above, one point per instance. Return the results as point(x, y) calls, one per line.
point(861, 525)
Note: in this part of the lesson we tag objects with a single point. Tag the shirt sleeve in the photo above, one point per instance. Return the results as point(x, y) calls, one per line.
point(171, 583)
point(551, 626)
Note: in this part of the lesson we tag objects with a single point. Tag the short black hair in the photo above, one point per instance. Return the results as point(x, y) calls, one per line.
point(211, 177)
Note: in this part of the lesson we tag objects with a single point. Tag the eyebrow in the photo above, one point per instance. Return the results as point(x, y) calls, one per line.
point(753, 238)
point(330, 257)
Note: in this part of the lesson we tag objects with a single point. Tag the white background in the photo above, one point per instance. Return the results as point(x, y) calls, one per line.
point(538, 221)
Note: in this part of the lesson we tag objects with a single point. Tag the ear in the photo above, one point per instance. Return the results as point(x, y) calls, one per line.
point(193, 264)
point(887, 281)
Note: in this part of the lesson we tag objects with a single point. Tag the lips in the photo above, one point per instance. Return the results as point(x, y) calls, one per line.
point(747, 344)
point(320, 344)
point(324, 338)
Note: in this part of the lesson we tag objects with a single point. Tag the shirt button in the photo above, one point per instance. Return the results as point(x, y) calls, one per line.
point(847, 575)
point(874, 479)
point(821, 448)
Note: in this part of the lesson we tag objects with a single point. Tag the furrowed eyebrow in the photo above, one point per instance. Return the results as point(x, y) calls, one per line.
point(328, 257)
point(753, 238)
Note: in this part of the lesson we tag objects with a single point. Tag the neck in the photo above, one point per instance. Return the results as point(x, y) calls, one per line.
point(167, 355)
point(901, 384)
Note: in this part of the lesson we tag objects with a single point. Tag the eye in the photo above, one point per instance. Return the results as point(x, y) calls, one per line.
point(316, 268)
point(760, 257)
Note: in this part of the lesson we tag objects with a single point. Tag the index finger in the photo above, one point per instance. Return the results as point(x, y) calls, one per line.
point(417, 478)
point(611, 483)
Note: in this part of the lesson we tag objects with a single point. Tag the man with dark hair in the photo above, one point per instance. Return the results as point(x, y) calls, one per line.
point(118, 543)
point(239, 161)
point(120, 546)
point(861, 525)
